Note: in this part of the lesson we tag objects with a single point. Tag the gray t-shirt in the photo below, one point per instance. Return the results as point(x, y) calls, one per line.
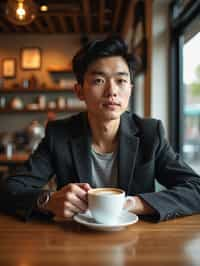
point(104, 169)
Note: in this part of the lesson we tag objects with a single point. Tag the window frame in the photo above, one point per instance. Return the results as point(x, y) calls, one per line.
point(181, 16)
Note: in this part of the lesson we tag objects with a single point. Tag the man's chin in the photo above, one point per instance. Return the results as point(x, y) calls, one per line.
point(107, 115)
point(111, 115)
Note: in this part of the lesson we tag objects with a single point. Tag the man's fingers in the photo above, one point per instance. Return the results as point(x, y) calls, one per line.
point(75, 198)
point(130, 203)
point(79, 191)
point(68, 213)
point(85, 186)
point(76, 201)
point(72, 208)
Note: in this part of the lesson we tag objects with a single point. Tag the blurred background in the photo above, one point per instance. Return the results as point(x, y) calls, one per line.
point(39, 38)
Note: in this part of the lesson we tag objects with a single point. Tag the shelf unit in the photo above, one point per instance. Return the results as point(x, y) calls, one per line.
point(20, 92)
point(56, 110)
point(40, 103)
point(44, 90)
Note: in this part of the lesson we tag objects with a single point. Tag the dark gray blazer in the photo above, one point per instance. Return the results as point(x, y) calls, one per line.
point(144, 155)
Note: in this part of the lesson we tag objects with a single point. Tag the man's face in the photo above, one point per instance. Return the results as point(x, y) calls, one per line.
point(106, 88)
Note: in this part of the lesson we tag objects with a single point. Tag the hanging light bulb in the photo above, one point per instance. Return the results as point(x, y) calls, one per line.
point(21, 12)
point(43, 7)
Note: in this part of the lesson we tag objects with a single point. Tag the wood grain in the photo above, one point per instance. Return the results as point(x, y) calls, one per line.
point(39, 243)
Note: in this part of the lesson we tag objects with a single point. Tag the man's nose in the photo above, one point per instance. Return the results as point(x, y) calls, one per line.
point(111, 88)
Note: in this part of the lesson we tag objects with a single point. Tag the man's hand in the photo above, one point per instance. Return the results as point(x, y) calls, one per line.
point(139, 206)
point(69, 200)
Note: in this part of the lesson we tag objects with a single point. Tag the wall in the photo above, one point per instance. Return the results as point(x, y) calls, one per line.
point(139, 95)
point(160, 58)
point(57, 50)
point(160, 62)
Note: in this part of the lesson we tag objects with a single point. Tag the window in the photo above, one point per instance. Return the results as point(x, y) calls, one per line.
point(191, 103)
point(185, 81)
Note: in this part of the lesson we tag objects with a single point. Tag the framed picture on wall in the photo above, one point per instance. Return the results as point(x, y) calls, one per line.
point(9, 68)
point(30, 58)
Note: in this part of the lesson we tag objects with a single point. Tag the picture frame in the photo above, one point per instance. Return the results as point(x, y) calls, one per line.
point(31, 58)
point(9, 67)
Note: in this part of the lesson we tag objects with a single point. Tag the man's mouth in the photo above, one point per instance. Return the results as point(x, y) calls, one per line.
point(111, 104)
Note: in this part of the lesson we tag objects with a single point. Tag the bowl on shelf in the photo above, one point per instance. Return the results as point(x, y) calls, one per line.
point(16, 103)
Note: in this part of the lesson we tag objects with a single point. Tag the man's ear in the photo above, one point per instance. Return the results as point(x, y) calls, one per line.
point(79, 91)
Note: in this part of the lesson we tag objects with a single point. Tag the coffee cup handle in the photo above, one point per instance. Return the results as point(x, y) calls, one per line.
point(131, 204)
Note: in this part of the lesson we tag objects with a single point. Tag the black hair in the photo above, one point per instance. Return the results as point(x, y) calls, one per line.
point(96, 49)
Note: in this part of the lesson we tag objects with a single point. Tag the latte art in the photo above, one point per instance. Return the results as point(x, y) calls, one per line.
point(106, 191)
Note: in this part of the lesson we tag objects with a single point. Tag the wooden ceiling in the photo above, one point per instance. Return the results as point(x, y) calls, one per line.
point(75, 17)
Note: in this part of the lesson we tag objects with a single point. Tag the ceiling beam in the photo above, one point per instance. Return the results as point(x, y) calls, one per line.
point(76, 24)
point(4, 26)
point(128, 21)
point(67, 12)
point(51, 26)
point(39, 25)
point(17, 28)
point(86, 14)
point(63, 6)
point(118, 4)
point(63, 24)
point(101, 15)
point(29, 28)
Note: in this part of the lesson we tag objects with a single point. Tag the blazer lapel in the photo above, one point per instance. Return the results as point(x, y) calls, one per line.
point(128, 149)
point(81, 152)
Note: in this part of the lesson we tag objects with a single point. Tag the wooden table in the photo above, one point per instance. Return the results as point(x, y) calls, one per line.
point(42, 243)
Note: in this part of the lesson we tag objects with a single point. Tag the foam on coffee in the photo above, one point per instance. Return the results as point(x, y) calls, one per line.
point(106, 191)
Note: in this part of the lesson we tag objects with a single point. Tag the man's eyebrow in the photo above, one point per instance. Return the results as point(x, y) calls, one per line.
point(101, 73)
point(122, 73)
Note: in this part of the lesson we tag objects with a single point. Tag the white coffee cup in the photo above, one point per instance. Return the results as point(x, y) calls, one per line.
point(106, 204)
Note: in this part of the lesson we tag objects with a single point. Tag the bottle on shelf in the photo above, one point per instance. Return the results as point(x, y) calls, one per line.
point(61, 104)
point(33, 82)
point(25, 83)
point(2, 102)
point(42, 103)
point(16, 103)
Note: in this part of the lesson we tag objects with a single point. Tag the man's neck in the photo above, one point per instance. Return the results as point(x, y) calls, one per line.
point(104, 134)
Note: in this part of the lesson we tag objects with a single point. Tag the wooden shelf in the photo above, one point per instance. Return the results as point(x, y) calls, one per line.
point(56, 110)
point(17, 158)
point(47, 90)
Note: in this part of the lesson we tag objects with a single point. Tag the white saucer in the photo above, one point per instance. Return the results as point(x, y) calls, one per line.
point(125, 219)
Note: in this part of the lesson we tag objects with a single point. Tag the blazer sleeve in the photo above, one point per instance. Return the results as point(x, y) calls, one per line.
point(182, 194)
point(19, 193)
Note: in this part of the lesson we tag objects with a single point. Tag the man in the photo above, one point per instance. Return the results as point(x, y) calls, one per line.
point(106, 146)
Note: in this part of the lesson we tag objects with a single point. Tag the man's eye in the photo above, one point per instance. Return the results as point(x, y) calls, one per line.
point(98, 81)
point(121, 81)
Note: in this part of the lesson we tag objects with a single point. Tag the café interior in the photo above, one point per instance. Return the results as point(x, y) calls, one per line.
point(38, 40)
point(36, 78)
